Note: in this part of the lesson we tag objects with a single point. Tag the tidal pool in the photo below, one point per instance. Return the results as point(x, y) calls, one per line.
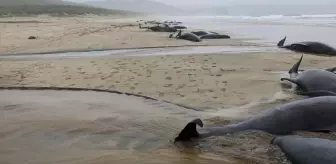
point(86, 127)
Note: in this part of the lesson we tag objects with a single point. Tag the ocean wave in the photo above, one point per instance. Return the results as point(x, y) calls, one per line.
point(267, 17)
point(272, 17)
point(318, 16)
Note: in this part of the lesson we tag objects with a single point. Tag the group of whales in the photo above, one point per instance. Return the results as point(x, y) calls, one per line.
point(316, 113)
point(173, 27)
point(166, 26)
point(197, 36)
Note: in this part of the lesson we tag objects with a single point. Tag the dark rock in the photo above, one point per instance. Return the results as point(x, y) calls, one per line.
point(32, 37)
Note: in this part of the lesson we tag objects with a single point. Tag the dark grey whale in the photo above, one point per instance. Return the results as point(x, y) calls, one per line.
point(312, 82)
point(200, 33)
point(309, 47)
point(313, 114)
point(214, 36)
point(306, 150)
point(178, 27)
point(186, 36)
point(159, 28)
point(210, 35)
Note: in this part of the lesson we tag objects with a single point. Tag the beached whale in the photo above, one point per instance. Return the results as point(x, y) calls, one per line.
point(186, 36)
point(306, 150)
point(200, 33)
point(313, 114)
point(172, 22)
point(214, 36)
point(159, 28)
point(153, 22)
point(179, 27)
point(309, 47)
point(312, 82)
point(209, 35)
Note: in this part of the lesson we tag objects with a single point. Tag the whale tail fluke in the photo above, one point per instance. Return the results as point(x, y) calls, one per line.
point(189, 131)
point(282, 42)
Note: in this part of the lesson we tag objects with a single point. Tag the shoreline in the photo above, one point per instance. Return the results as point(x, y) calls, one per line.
point(80, 34)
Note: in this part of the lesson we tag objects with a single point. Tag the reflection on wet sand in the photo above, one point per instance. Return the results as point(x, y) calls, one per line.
point(69, 127)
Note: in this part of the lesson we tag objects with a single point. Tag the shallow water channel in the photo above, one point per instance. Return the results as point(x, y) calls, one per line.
point(86, 127)
point(194, 50)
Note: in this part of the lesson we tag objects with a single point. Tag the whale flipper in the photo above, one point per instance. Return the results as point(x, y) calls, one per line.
point(293, 80)
point(282, 42)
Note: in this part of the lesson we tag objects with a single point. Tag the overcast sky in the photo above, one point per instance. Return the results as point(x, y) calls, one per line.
point(226, 2)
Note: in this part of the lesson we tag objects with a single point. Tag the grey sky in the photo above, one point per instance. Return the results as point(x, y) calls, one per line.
point(230, 2)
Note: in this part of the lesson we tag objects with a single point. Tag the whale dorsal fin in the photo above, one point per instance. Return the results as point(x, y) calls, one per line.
point(295, 68)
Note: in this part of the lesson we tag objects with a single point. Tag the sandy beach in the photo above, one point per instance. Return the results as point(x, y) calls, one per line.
point(83, 33)
point(202, 81)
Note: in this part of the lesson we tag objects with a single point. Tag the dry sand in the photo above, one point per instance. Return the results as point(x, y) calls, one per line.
point(199, 81)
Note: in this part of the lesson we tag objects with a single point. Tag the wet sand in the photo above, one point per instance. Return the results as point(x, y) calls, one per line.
point(68, 127)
